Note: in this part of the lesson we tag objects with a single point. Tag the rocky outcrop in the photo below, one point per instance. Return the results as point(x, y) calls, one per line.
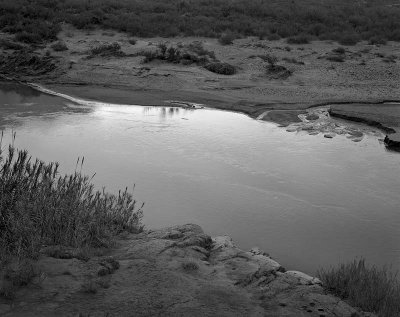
point(392, 141)
point(176, 271)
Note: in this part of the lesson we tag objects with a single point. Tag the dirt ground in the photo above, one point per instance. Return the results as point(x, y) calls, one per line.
point(367, 74)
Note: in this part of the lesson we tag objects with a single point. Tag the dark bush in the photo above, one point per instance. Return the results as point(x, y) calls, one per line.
point(299, 39)
point(104, 50)
point(377, 40)
point(226, 38)
point(349, 39)
point(132, 41)
point(339, 50)
point(273, 37)
point(221, 68)
point(59, 46)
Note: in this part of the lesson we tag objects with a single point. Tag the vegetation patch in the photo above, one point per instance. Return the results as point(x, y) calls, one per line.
point(299, 39)
point(221, 68)
point(59, 46)
point(107, 50)
point(368, 287)
point(39, 21)
point(40, 207)
point(26, 63)
point(349, 39)
point(227, 38)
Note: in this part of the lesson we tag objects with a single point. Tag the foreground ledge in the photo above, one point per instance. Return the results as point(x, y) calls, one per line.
point(175, 271)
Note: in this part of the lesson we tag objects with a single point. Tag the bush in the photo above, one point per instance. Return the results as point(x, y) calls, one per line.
point(368, 287)
point(299, 39)
point(377, 40)
point(132, 41)
point(104, 50)
point(349, 40)
point(273, 37)
point(226, 39)
point(221, 68)
point(10, 45)
point(38, 206)
point(339, 50)
point(59, 46)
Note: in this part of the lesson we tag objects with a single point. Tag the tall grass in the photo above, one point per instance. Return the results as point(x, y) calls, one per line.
point(39, 206)
point(371, 288)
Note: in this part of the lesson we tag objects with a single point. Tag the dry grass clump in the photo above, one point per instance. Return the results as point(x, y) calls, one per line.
point(190, 266)
point(40, 207)
point(106, 50)
point(368, 287)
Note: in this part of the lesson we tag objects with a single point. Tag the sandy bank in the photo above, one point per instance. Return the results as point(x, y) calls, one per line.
point(176, 271)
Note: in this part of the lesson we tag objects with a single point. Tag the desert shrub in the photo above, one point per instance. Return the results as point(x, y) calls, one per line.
point(59, 46)
point(132, 41)
point(221, 68)
point(321, 19)
point(226, 38)
point(197, 48)
point(299, 39)
point(273, 37)
point(368, 287)
point(13, 275)
point(38, 206)
point(112, 49)
point(26, 37)
point(377, 40)
point(269, 58)
point(190, 266)
point(349, 39)
point(339, 50)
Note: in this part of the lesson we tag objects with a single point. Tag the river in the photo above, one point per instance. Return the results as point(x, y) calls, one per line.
point(308, 201)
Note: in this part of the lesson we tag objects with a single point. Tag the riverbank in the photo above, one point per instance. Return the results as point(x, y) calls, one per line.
point(176, 271)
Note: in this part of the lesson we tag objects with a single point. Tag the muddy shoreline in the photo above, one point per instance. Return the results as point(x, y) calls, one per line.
point(364, 78)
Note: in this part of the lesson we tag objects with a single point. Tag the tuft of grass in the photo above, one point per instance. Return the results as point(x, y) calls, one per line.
point(38, 206)
point(368, 287)
point(190, 266)
point(13, 275)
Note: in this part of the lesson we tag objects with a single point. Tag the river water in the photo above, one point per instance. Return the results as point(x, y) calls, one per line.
point(307, 200)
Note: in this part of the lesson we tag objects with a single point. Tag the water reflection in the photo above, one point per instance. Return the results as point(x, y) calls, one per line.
point(18, 102)
point(307, 200)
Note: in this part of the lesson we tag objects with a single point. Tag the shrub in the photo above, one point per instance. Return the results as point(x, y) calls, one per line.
point(273, 37)
point(226, 38)
point(38, 206)
point(190, 266)
point(59, 46)
point(299, 39)
point(368, 287)
point(349, 39)
point(113, 49)
point(377, 40)
point(221, 68)
point(339, 50)
point(132, 41)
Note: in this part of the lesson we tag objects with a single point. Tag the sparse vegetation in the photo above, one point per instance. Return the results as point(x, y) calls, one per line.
point(39, 21)
point(335, 58)
point(368, 287)
point(339, 50)
point(377, 40)
point(292, 61)
point(132, 41)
